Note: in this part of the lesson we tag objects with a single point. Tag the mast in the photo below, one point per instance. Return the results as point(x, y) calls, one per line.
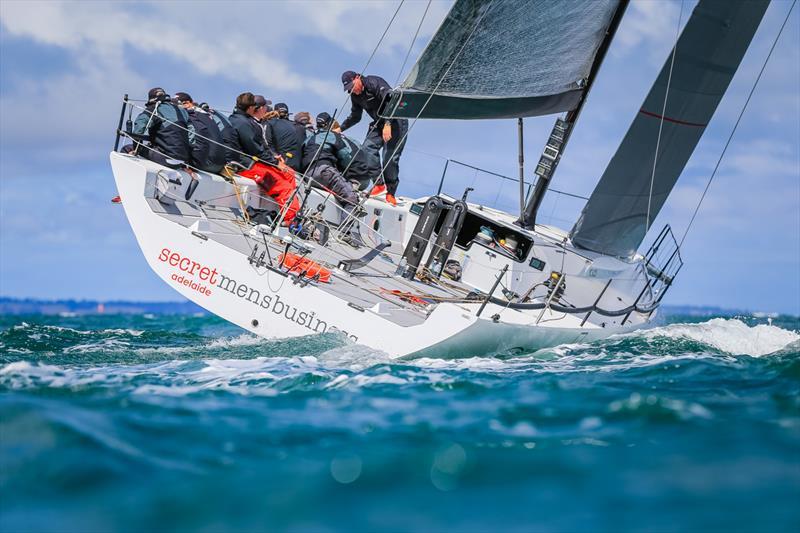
point(528, 216)
point(521, 169)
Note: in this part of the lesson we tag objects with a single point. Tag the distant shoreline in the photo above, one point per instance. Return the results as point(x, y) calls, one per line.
point(33, 306)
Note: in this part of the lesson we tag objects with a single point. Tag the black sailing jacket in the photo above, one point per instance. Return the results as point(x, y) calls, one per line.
point(249, 139)
point(208, 150)
point(167, 129)
point(371, 100)
point(286, 140)
point(361, 165)
point(228, 134)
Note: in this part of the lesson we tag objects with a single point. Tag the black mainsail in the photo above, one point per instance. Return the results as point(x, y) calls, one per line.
point(621, 209)
point(505, 59)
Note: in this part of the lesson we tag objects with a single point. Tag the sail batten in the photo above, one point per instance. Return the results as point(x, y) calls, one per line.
point(707, 55)
point(504, 59)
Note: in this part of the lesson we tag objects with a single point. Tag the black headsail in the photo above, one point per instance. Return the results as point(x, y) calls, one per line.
point(506, 59)
point(707, 55)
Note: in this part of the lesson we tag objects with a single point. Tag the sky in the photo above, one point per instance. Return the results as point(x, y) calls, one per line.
point(64, 67)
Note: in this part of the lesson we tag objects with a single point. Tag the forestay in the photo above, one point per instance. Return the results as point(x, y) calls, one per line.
point(707, 55)
point(505, 59)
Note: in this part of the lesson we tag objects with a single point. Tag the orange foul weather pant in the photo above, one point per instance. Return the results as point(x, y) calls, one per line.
point(277, 183)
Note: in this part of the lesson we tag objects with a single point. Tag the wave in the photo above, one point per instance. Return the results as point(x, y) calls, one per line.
point(728, 335)
point(155, 361)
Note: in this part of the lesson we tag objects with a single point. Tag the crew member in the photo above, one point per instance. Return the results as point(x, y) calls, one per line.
point(166, 128)
point(263, 114)
point(226, 130)
point(249, 139)
point(361, 167)
point(261, 164)
point(370, 94)
point(208, 150)
point(286, 138)
point(302, 120)
point(323, 156)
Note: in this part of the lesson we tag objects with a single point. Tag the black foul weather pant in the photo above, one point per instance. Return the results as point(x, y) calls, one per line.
point(391, 151)
point(325, 176)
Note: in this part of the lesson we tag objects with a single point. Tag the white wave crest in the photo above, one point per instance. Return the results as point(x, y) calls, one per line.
point(245, 339)
point(22, 326)
point(728, 335)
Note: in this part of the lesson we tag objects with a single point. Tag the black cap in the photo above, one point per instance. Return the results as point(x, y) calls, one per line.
point(323, 119)
point(282, 109)
point(263, 102)
point(157, 93)
point(181, 97)
point(347, 79)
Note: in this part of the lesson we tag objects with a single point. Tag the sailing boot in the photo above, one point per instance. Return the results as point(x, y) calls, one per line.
point(377, 190)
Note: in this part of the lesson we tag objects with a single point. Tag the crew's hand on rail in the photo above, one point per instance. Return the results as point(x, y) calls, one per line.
point(282, 163)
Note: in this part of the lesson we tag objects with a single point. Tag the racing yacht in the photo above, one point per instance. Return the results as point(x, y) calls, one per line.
point(441, 275)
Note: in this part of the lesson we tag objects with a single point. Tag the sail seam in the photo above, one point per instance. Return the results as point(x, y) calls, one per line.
point(673, 120)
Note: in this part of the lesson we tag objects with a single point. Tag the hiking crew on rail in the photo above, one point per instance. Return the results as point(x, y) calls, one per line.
point(266, 145)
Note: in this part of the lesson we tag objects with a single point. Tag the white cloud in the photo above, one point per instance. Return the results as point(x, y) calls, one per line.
point(101, 31)
point(254, 44)
point(652, 26)
point(238, 40)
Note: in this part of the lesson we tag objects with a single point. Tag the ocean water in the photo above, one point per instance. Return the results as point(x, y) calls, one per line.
point(141, 423)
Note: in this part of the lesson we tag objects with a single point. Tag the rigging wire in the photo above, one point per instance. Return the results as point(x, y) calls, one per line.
point(730, 137)
point(342, 107)
point(433, 93)
point(385, 31)
point(663, 114)
point(413, 41)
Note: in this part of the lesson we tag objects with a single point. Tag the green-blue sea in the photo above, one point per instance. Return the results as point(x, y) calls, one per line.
point(167, 423)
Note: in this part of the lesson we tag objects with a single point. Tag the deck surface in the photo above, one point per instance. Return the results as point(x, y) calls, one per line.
point(374, 286)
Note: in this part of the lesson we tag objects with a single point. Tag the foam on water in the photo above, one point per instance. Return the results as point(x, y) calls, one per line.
point(728, 335)
point(247, 364)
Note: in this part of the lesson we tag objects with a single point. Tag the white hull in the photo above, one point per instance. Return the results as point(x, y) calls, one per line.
point(202, 263)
